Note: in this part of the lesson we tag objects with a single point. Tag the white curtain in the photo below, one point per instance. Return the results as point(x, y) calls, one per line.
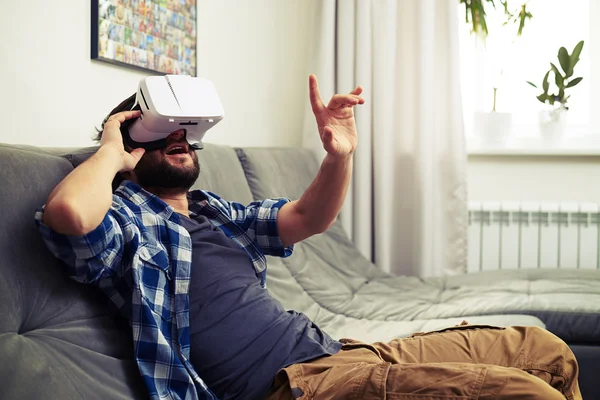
point(407, 206)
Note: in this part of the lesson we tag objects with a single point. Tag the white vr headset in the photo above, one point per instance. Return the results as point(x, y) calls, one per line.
point(169, 103)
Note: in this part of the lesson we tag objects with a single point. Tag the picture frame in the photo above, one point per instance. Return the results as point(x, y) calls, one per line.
point(156, 36)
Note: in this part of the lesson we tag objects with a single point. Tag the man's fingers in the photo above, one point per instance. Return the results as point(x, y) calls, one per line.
point(344, 100)
point(315, 97)
point(357, 91)
point(337, 101)
point(124, 115)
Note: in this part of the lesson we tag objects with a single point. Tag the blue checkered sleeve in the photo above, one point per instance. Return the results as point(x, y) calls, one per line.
point(259, 220)
point(91, 256)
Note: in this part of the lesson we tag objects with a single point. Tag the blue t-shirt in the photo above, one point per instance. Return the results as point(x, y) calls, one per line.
point(240, 335)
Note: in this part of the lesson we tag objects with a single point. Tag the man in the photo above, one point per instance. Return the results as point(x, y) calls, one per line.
point(187, 269)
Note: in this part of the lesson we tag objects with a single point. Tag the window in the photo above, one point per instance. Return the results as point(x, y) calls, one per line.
point(508, 61)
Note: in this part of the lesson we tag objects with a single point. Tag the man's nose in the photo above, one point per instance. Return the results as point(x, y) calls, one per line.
point(177, 135)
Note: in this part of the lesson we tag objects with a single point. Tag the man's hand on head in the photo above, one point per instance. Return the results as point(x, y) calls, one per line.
point(337, 127)
point(112, 138)
point(69, 210)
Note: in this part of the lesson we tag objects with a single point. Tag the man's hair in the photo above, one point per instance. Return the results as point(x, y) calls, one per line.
point(125, 105)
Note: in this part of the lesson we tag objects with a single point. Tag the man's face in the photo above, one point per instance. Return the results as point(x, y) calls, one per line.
point(172, 167)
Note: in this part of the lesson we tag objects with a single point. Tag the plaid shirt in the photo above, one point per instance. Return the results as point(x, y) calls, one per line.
point(140, 257)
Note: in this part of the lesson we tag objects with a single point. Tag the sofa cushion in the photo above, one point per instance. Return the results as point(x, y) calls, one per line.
point(274, 172)
point(222, 174)
point(285, 286)
point(57, 339)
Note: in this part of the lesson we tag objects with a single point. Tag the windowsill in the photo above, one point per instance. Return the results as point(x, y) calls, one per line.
point(579, 146)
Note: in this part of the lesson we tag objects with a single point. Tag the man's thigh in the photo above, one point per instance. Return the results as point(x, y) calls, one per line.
point(531, 349)
point(451, 381)
point(480, 344)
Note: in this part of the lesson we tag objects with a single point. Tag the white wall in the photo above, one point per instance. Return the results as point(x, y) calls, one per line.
point(566, 179)
point(255, 51)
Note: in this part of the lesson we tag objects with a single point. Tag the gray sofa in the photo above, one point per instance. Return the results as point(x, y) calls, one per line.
point(59, 341)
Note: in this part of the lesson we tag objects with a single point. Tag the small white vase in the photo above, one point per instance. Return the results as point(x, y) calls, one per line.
point(552, 123)
point(492, 127)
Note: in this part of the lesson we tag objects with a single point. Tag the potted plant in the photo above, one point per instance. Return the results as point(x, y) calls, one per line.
point(493, 125)
point(552, 119)
point(476, 16)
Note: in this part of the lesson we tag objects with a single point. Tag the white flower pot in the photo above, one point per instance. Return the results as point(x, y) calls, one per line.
point(492, 127)
point(552, 123)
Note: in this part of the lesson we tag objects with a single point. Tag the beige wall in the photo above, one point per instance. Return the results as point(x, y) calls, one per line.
point(534, 178)
point(255, 51)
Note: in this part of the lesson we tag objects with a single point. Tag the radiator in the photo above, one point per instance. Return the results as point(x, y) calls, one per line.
point(509, 235)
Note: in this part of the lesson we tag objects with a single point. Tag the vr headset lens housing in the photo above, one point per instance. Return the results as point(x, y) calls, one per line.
point(169, 103)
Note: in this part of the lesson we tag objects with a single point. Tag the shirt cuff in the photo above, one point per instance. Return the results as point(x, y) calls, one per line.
point(275, 246)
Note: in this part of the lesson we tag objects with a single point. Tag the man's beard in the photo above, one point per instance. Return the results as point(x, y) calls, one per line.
point(153, 170)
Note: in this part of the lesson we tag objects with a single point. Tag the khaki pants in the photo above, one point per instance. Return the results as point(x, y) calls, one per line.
point(462, 362)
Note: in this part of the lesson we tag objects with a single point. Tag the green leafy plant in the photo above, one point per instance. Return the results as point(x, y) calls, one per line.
point(475, 14)
point(563, 80)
